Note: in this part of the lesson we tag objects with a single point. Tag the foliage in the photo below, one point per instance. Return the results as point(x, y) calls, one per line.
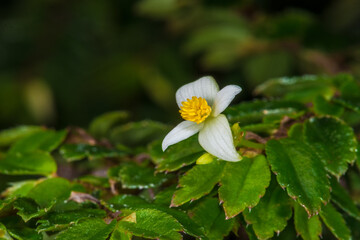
point(297, 177)
point(63, 63)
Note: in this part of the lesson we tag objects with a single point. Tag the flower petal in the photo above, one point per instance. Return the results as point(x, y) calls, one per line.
point(216, 138)
point(224, 97)
point(181, 132)
point(205, 87)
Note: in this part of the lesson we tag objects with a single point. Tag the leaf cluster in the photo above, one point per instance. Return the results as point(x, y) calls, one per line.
point(299, 174)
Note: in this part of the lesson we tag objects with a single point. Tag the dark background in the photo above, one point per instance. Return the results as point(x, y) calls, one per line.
point(64, 62)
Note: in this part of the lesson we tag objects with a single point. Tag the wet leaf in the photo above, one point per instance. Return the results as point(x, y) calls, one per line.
point(9, 136)
point(300, 171)
point(335, 222)
point(342, 199)
point(333, 141)
point(133, 176)
point(301, 89)
point(243, 184)
point(46, 140)
point(323, 107)
point(176, 156)
point(151, 223)
point(75, 152)
point(136, 203)
point(30, 163)
point(56, 189)
point(197, 182)
point(60, 220)
point(271, 214)
point(214, 221)
point(89, 229)
point(254, 112)
point(101, 126)
point(307, 228)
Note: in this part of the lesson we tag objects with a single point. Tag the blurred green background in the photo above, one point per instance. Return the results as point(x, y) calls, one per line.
point(65, 62)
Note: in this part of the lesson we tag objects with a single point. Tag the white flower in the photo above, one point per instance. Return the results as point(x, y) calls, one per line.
point(194, 99)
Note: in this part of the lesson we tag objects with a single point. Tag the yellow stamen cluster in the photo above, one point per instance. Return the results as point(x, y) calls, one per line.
point(195, 109)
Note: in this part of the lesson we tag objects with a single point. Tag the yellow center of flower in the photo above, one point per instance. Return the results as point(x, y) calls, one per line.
point(195, 109)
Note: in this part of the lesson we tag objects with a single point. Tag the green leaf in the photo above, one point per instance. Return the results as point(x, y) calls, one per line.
point(57, 221)
point(164, 197)
point(350, 96)
point(260, 127)
point(342, 199)
point(46, 140)
point(9, 136)
point(119, 234)
point(89, 229)
point(75, 152)
point(95, 181)
point(6, 206)
point(352, 105)
point(250, 233)
point(135, 203)
point(19, 189)
point(323, 107)
point(358, 156)
point(248, 228)
point(254, 112)
point(31, 163)
point(296, 132)
point(335, 222)
point(308, 228)
point(50, 191)
point(18, 230)
point(271, 214)
point(300, 171)
point(197, 182)
point(101, 126)
point(138, 133)
point(333, 141)
point(354, 227)
point(209, 214)
point(24, 233)
point(28, 155)
point(176, 156)
point(350, 88)
point(133, 176)
point(151, 223)
point(243, 184)
point(301, 89)
point(4, 235)
point(28, 209)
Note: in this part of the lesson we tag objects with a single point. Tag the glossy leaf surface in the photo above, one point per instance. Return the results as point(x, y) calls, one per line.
point(133, 176)
point(300, 171)
point(307, 228)
point(89, 229)
point(198, 182)
point(176, 156)
point(333, 141)
point(151, 223)
point(214, 221)
point(271, 214)
point(335, 222)
point(243, 184)
point(30, 163)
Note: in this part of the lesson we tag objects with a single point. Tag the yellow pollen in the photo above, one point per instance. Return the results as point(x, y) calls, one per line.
point(195, 109)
